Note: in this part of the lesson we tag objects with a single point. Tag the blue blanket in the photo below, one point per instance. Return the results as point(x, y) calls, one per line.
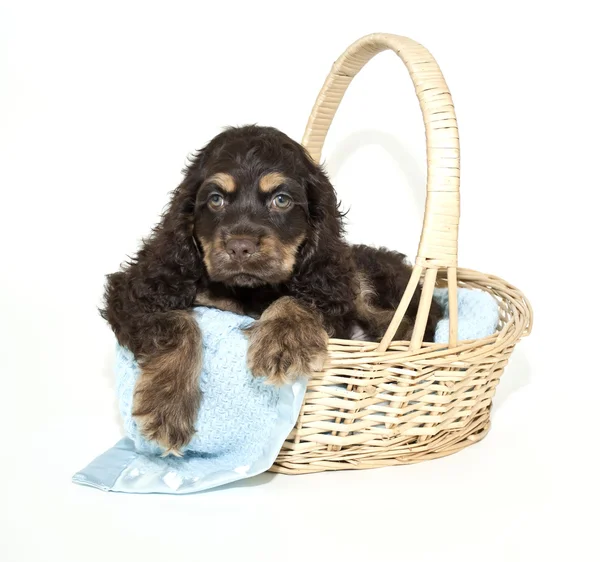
point(243, 422)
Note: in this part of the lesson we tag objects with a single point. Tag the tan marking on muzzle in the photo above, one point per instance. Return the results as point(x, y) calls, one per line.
point(275, 248)
point(289, 252)
point(207, 246)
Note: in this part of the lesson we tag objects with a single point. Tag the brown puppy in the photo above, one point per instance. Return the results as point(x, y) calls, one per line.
point(253, 228)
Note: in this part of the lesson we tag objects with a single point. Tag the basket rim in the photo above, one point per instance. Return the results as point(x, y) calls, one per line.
point(517, 324)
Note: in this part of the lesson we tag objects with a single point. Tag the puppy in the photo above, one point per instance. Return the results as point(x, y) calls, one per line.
point(253, 228)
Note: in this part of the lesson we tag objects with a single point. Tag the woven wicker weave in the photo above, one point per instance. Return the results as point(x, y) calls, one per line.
point(388, 403)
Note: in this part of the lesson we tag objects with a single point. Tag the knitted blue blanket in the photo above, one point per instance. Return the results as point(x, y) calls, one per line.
point(243, 422)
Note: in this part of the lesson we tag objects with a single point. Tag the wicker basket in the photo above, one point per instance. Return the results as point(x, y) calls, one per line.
point(389, 403)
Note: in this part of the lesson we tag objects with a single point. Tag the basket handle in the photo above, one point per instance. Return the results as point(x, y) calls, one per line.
point(438, 245)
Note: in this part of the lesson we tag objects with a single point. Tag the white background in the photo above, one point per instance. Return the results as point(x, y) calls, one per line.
point(100, 102)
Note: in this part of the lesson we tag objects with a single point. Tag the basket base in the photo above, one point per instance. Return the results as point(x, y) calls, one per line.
point(444, 444)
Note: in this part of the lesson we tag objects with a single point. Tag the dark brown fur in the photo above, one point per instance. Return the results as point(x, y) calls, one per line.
point(295, 273)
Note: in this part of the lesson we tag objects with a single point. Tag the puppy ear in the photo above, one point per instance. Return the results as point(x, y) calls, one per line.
point(324, 276)
point(171, 251)
point(164, 274)
point(325, 218)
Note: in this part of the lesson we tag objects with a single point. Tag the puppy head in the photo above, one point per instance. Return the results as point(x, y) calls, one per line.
point(262, 206)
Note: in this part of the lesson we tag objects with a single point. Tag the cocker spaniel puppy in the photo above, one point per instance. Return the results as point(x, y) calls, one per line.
point(253, 228)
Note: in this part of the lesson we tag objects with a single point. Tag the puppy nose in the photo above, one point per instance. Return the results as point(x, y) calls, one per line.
point(240, 248)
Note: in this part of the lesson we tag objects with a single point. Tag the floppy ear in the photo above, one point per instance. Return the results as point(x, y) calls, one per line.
point(164, 274)
point(325, 218)
point(324, 276)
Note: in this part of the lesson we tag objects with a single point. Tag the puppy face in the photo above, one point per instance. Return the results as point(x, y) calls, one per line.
point(252, 208)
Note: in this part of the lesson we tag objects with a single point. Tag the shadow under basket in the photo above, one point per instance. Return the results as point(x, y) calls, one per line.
point(401, 402)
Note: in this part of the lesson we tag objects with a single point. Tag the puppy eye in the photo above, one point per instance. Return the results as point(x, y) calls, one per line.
point(281, 201)
point(216, 200)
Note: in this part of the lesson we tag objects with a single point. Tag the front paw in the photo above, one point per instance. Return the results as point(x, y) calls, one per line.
point(281, 350)
point(166, 412)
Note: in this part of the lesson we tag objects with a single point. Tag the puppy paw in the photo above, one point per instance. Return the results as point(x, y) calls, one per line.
point(165, 418)
point(165, 408)
point(171, 433)
point(285, 346)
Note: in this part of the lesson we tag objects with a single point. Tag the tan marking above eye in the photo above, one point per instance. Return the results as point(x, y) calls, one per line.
point(271, 181)
point(224, 181)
